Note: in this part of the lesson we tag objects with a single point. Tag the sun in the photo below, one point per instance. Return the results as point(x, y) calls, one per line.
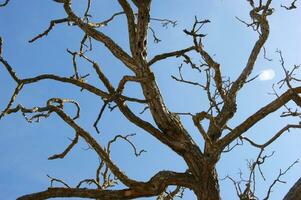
point(266, 75)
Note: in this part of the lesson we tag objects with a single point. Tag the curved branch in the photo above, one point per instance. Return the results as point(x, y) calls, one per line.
point(94, 144)
point(105, 22)
point(141, 123)
point(51, 26)
point(66, 151)
point(241, 80)
point(259, 115)
point(259, 17)
point(12, 99)
point(116, 50)
point(277, 135)
point(126, 138)
point(78, 83)
point(5, 3)
point(169, 54)
point(153, 187)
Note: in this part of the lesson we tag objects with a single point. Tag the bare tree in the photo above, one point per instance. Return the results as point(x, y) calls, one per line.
point(201, 175)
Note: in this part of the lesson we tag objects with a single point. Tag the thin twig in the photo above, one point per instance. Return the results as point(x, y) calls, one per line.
point(66, 151)
point(51, 26)
point(57, 180)
point(99, 116)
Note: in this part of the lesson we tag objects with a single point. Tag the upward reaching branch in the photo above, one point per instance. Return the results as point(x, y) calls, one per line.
point(157, 119)
point(259, 17)
point(131, 24)
point(259, 115)
point(101, 37)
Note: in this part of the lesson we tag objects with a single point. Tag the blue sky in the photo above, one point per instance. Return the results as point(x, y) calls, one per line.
point(24, 147)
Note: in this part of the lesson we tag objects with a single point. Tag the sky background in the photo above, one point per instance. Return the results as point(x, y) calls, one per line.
point(24, 147)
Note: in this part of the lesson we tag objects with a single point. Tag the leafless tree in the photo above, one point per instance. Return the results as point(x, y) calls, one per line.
point(201, 176)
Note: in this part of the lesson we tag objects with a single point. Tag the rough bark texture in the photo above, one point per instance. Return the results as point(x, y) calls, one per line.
point(201, 175)
point(295, 192)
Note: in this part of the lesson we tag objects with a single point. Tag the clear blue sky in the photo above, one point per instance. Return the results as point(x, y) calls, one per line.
point(24, 147)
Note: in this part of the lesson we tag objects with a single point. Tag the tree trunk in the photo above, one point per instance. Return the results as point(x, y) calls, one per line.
point(209, 186)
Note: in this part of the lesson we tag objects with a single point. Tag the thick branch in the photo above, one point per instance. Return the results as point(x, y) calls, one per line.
point(260, 20)
point(153, 187)
point(142, 28)
point(259, 115)
point(131, 24)
point(116, 50)
point(169, 54)
point(241, 80)
point(141, 123)
point(294, 192)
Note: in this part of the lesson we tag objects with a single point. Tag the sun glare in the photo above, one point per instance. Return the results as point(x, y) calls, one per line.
point(266, 75)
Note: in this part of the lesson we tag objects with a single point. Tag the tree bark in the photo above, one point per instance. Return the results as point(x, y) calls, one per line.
point(209, 186)
point(295, 192)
